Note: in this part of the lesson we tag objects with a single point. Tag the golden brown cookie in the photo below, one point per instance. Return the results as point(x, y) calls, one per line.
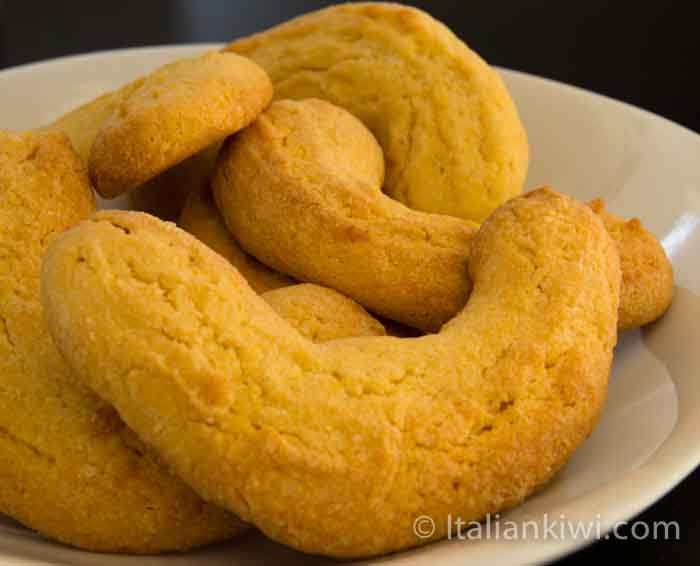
point(300, 190)
point(647, 273)
point(149, 125)
point(451, 135)
point(69, 467)
point(337, 448)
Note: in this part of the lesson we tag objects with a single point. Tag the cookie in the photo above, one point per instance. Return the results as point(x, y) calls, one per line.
point(69, 467)
point(451, 134)
point(300, 189)
point(337, 448)
point(153, 123)
point(647, 273)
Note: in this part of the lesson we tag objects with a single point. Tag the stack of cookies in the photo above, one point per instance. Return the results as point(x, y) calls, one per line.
point(360, 320)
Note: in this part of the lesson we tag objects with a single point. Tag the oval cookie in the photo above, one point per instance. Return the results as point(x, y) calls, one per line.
point(153, 123)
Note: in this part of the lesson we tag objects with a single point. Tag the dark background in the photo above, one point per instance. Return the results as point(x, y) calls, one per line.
point(643, 53)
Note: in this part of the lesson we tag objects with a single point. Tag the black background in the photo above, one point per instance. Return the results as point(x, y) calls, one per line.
point(645, 53)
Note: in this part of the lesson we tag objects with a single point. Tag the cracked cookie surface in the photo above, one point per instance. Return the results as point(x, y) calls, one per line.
point(69, 467)
point(468, 421)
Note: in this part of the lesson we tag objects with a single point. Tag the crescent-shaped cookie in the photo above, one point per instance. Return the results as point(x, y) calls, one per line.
point(450, 133)
point(300, 189)
point(337, 448)
point(69, 467)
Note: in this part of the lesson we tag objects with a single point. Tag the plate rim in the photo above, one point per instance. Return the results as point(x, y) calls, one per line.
point(193, 46)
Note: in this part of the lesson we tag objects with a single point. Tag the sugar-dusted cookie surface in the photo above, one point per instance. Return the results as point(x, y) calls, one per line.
point(337, 448)
point(134, 133)
point(69, 467)
point(451, 135)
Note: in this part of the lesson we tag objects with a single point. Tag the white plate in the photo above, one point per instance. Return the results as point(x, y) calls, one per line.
point(582, 144)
